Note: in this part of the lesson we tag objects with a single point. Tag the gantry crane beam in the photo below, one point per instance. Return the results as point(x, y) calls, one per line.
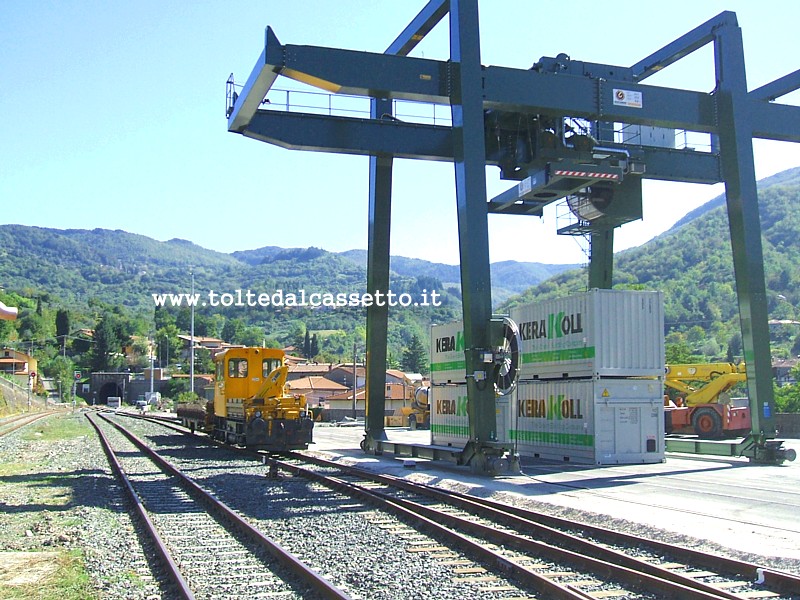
point(367, 137)
point(426, 80)
point(554, 88)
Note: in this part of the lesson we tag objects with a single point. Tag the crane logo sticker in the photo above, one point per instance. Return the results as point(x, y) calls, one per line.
point(457, 407)
point(627, 98)
point(451, 343)
point(554, 408)
point(557, 325)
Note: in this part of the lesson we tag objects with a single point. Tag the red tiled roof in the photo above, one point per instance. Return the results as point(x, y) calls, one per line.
point(315, 383)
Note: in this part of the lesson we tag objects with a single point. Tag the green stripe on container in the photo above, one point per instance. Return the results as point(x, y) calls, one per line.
point(559, 355)
point(450, 429)
point(449, 366)
point(549, 437)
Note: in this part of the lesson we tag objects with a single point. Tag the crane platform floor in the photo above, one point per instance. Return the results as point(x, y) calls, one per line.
point(730, 502)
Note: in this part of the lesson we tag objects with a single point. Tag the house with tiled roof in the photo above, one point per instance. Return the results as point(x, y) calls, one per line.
point(315, 388)
point(306, 369)
point(22, 368)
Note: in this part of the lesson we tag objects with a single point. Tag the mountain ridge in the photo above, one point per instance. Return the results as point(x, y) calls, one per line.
point(105, 256)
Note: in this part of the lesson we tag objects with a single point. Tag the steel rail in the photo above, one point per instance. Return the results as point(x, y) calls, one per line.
point(628, 575)
point(30, 419)
point(770, 579)
point(173, 571)
point(498, 513)
point(525, 576)
point(286, 559)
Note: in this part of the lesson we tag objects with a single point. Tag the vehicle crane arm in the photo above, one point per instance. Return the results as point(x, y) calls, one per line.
point(714, 379)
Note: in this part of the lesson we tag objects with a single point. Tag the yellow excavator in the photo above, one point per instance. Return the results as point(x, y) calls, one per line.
point(703, 406)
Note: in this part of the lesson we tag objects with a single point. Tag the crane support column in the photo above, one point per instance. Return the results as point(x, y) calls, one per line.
point(601, 259)
point(736, 152)
point(379, 231)
point(473, 235)
point(379, 234)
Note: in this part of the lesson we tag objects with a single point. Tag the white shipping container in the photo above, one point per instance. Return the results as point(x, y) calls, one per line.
point(594, 421)
point(449, 420)
point(448, 364)
point(600, 333)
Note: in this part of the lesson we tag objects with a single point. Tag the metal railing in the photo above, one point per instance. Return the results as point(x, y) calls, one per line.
point(342, 105)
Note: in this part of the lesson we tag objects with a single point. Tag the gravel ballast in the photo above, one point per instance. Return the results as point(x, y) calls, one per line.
point(60, 496)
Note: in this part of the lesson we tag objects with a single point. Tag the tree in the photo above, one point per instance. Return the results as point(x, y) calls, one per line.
point(307, 345)
point(62, 323)
point(139, 355)
point(415, 357)
point(33, 326)
point(203, 362)
point(252, 336)
point(734, 347)
point(391, 361)
point(61, 370)
point(169, 345)
point(175, 387)
point(787, 398)
point(232, 330)
point(204, 325)
point(162, 317)
point(677, 354)
point(325, 357)
point(297, 335)
point(109, 337)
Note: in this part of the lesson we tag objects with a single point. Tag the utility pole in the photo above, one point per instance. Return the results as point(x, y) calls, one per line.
point(355, 380)
point(191, 342)
point(152, 367)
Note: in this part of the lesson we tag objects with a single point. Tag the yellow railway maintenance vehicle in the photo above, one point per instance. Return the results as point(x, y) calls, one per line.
point(251, 405)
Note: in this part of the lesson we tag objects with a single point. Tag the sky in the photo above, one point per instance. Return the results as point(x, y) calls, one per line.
point(112, 115)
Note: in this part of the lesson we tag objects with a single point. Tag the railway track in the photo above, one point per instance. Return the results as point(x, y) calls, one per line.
point(545, 542)
point(343, 538)
point(206, 549)
point(553, 557)
point(16, 422)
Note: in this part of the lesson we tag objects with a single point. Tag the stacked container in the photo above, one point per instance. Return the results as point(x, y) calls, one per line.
point(592, 420)
point(591, 380)
point(601, 333)
point(448, 391)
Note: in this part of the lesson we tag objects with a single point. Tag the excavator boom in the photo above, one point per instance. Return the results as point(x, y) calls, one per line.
point(704, 383)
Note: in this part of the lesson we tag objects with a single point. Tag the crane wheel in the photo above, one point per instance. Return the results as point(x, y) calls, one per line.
point(707, 423)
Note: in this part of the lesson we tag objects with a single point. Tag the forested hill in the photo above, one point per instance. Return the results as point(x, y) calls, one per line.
point(508, 277)
point(692, 265)
point(125, 269)
point(789, 177)
point(91, 272)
